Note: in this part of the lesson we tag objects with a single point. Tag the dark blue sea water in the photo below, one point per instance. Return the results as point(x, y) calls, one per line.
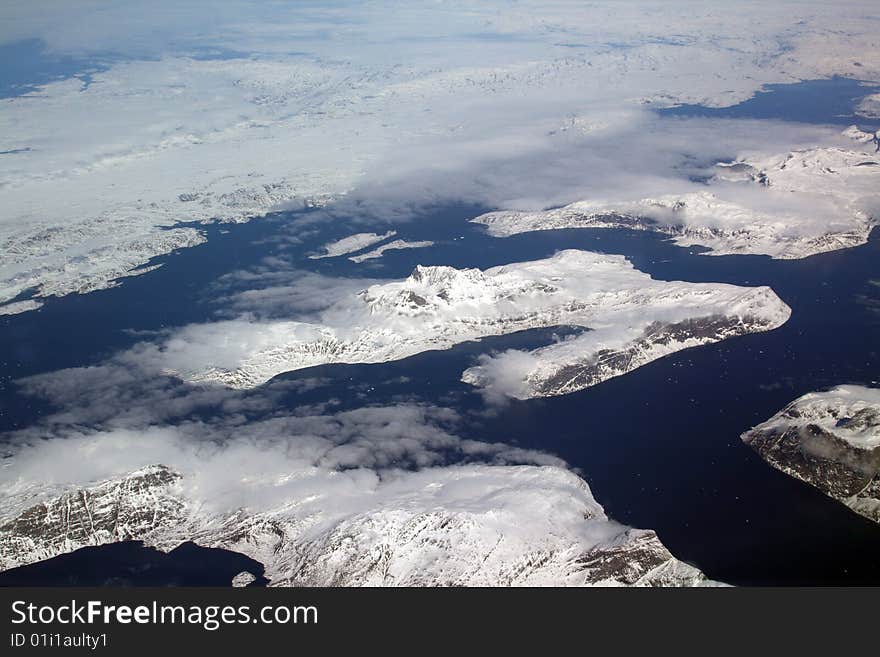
point(27, 65)
point(660, 446)
point(130, 563)
point(815, 101)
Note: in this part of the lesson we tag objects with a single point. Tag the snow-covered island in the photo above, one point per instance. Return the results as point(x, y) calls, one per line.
point(634, 319)
point(391, 246)
point(786, 206)
point(476, 525)
point(351, 244)
point(830, 440)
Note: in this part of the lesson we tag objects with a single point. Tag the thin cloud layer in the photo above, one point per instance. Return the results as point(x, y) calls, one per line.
point(118, 417)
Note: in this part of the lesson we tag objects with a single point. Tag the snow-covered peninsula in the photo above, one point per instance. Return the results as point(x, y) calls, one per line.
point(786, 206)
point(523, 525)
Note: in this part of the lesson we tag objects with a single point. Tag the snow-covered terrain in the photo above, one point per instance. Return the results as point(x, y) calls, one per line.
point(458, 526)
point(379, 495)
point(351, 244)
point(830, 440)
point(16, 307)
point(391, 246)
point(629, 337)
point(635, 319)
point(176, 123)
point(785, 206)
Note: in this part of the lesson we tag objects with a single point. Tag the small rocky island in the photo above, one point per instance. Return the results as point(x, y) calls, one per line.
point(830, 440)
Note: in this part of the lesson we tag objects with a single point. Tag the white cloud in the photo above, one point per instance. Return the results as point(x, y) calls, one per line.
point(870, 106)
point(283, 291)
point(122, 414)
point(235, 449)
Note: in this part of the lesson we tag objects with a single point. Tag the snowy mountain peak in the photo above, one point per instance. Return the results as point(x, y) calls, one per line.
point(427, 289)
point(443, 277)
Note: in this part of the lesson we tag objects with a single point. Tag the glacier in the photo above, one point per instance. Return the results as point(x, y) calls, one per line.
point(830, 440)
